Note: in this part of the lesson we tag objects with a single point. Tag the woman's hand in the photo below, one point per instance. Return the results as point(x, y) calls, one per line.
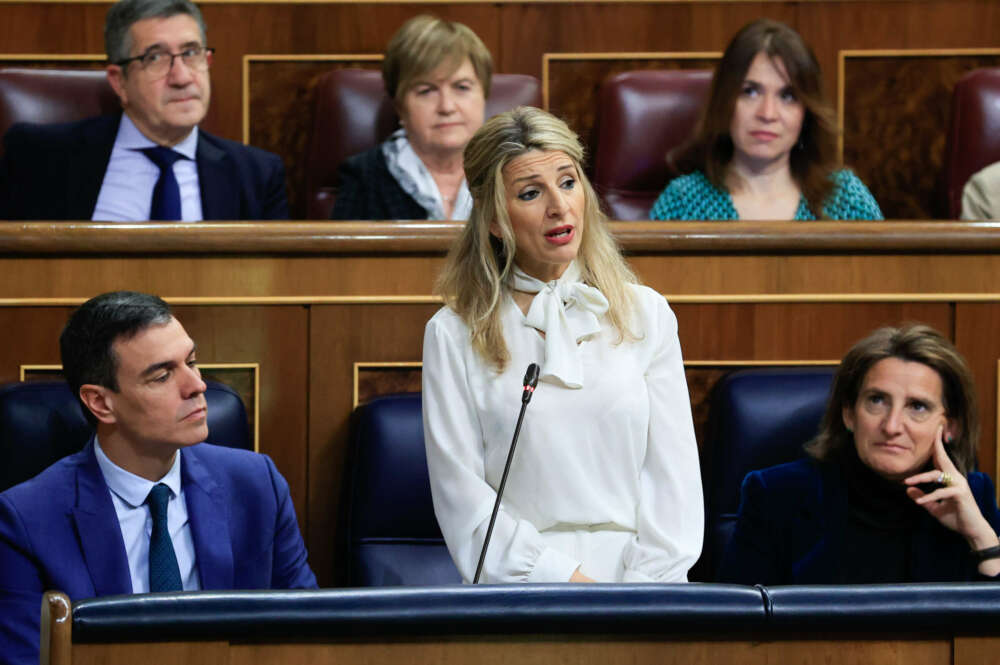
point(577, 576)
point(953, 504)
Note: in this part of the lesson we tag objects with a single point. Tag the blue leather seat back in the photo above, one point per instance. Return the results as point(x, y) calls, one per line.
point(42, 422)
point(393, 535)
point(758, 418)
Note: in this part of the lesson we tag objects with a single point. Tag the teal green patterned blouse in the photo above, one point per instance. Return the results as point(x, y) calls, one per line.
point(693, 197)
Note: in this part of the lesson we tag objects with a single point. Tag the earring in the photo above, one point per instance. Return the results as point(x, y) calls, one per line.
point(848, 428)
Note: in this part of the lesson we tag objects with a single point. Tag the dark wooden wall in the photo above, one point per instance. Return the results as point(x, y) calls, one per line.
point(894, 59)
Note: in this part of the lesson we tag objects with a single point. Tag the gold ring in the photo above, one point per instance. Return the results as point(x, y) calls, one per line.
point(944, 479)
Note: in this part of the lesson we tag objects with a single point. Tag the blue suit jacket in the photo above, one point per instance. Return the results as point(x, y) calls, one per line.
point(792, 524)
point(55, 172)
point(59, 531)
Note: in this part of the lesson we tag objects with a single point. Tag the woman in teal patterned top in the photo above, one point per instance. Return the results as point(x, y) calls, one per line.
point(766, 145)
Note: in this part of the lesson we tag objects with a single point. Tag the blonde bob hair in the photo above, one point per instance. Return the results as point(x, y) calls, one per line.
point(422, 44)
point(479, 269)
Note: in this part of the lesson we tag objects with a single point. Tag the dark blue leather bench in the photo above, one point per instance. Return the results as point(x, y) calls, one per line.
point(42, 422)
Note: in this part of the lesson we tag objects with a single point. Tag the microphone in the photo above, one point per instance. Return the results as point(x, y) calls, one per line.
point(530, 381)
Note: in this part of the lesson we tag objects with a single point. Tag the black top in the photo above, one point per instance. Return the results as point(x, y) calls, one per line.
point(368, 191)
point(797, 524)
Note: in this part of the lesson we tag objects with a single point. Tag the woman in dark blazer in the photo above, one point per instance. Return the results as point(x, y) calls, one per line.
point(887, 493)
point(437, 74)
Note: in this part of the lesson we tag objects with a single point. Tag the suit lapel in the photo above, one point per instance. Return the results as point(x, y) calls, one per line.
point(97, 139)
point(220, 197)
point(208, 516)
point(98, 530)
point(824, 524)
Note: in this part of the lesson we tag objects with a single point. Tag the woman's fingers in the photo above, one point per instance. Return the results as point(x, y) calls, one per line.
point(924, 477)
point(939, 494)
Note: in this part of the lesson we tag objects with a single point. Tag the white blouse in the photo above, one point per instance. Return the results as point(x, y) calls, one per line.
point(604, 477)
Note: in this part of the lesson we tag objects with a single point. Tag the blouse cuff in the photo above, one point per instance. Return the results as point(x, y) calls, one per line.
point(553, 566)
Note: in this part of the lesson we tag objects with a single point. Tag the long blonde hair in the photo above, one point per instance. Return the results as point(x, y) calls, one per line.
point(479, 268)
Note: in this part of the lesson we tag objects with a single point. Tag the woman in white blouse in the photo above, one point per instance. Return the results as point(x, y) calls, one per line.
point(605, 483)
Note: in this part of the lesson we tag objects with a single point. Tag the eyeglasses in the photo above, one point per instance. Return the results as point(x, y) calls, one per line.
point(158, 63)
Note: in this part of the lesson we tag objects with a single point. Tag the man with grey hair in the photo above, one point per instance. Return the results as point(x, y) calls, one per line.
point(152, 162)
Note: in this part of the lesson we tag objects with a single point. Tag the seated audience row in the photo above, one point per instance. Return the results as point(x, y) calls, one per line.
point(607, 484)
point(764, 148)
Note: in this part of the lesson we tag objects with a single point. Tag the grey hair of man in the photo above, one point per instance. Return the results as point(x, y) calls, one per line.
point(122, 14)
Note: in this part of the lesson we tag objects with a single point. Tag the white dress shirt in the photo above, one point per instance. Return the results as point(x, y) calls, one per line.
point(605, 476)
point(128, 494)
point(127, 191)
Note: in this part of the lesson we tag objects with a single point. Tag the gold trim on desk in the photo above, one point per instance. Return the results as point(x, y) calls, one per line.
point(290, 57)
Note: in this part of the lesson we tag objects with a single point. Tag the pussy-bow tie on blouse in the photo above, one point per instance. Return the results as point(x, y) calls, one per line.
point(567, 311)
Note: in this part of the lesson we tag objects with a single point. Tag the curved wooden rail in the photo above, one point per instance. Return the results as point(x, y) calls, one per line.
point(315, 238)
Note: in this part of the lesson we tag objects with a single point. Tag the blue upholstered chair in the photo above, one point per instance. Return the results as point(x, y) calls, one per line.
point(758, 418)
point(42, 422)
point(392, 533)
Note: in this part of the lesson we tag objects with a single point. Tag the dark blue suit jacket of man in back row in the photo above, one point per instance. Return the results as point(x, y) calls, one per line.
point(55, 172)
point(133, 367)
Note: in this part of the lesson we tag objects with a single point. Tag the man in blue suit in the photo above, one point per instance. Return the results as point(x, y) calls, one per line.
point(144, 506)
point(152, 162)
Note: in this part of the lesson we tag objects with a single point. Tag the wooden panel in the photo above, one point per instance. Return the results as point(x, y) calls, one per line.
point(282, 99)
point(898, 148)
point(796, 331)
point(977, 336)
point(273, 337)
point(976, 650)
point(339, 336)
point(167, 653)
point(534, 650)
point(31, 338)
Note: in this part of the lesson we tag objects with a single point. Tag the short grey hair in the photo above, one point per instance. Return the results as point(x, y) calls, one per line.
point(122, 14)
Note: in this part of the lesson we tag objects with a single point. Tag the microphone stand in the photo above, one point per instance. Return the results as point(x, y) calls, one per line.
point(530, 381)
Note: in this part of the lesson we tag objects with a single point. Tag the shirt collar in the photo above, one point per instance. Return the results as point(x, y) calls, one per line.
point(130, 137)
point(129, 487)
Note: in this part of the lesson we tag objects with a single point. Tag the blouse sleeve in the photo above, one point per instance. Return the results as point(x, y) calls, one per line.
point(670, 204)
point(463, 500)
point(851, 200)
point(670, 519)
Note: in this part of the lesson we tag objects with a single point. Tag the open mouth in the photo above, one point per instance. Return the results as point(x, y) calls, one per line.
point(560, 235)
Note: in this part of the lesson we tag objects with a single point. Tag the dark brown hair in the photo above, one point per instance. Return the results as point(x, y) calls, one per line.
point(914, 343)
point(813, 159)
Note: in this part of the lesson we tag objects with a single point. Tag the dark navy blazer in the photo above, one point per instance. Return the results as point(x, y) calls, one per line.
point(55, 172)
point(59, 531)
point(368, 190)
point(793, 519)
